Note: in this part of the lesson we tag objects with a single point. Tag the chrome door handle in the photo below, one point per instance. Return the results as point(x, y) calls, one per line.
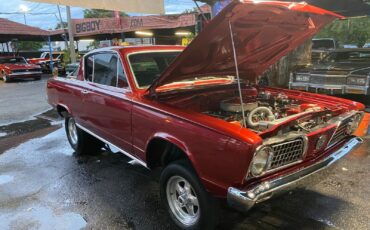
point(84, 92)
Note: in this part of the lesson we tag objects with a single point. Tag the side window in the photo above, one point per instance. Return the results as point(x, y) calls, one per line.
point(89, 68)
point(122, 79)
point(105, 69)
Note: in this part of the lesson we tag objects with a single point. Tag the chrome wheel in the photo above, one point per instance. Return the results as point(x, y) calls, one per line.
point(72, 131)
point(182, 200)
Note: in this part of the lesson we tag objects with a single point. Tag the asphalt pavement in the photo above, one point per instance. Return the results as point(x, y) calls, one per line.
point(21, 100)
point(44, 185)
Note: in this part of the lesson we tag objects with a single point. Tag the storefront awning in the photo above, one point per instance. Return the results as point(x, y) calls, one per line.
point(128, 6)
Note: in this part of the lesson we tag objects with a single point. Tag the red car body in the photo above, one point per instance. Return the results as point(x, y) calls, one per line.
point(176, 111)
point(18, 68)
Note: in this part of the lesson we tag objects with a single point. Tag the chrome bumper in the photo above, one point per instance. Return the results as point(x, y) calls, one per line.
point(244, 200)
point(19, 74)
point(332, 89)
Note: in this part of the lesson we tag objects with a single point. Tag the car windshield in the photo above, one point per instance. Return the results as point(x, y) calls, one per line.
point(351, 56)
point(147, 67)
point(323, 44)
point(17, 60)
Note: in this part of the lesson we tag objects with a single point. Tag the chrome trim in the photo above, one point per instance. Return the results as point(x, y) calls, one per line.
point(339, 120)
point(344, 88)
point(279, 140)
point(24, 73)
point(243, 200)
point(115, 52)
point(115, 146)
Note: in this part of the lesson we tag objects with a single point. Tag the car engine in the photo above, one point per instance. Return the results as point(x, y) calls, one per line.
point(266, 110)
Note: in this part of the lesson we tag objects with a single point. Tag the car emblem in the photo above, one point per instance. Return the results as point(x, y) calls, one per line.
point(321, 142)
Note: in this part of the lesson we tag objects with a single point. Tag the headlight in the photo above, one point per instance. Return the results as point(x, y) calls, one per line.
point(353, 125)
point(260, 161)
point(356, 81)
point(303, 78)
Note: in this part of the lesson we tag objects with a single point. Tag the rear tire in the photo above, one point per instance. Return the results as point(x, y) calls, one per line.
point(82, 142)
point(37, 78)
point(186, 200)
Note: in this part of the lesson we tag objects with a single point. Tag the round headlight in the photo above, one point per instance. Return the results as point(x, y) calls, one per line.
point(260, 161)
point(353, 125)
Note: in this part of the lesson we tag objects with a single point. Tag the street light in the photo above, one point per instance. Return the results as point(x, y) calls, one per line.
point(144, 33)
point(24, 9)
point(182, 33)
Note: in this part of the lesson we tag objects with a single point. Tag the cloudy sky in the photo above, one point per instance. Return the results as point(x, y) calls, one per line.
point(50, 20)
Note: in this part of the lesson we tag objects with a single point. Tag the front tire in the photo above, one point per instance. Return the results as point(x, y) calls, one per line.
point(4, 77)
point(82, 142)
point(187, 202)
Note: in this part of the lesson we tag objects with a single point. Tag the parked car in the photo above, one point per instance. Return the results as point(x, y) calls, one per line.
point(344, 71)
point(70, 68)
point(196, 113)
point(367, 45)
point(350, 46)
point(17, 68)
point(321, 47)
point(44, 62)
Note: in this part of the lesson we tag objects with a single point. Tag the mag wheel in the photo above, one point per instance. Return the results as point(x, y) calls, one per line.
point(186, 200)
point(80, 141)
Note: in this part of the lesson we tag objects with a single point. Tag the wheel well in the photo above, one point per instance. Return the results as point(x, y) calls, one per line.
point(161, 152)
point(62, 111)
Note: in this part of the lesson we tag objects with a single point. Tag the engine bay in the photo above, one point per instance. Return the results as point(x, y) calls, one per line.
point(264, 110)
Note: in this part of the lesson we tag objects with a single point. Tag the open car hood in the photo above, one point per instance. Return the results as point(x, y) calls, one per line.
point(263, 31)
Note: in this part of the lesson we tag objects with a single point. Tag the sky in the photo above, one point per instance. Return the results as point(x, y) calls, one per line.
point(49, 21)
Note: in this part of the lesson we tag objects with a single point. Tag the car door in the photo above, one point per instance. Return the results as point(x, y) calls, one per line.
point(108, 100)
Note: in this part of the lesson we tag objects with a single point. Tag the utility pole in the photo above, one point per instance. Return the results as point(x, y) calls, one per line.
point(25, 20)
point(62, 24)
point(70, 33)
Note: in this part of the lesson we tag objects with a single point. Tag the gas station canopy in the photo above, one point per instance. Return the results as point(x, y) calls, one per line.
point(128, 6)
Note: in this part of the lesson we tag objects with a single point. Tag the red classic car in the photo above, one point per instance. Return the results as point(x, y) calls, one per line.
point(18, 68)
point(198, 114)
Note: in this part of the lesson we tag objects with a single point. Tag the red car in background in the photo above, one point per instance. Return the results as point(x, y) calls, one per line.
point(18, 68)
point(199, 116)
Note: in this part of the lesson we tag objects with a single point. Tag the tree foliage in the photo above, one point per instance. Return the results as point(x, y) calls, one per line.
point(61, 26)
point(29, 45)
point(97, 13)
point(349, 31)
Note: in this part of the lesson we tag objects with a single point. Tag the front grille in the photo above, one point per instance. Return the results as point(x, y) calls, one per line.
point(328, 80)
point(341, 132)
point(286, 153)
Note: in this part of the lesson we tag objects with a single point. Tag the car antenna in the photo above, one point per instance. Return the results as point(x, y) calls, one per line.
point(237, 74)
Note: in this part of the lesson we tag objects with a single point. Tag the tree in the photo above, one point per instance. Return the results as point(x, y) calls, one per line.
point(97, 13)
point(61, 26)
point(29, 46)
point(348, 31)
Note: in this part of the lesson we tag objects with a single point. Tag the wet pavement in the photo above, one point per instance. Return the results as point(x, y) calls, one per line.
point(44, 185)
point(21, 100)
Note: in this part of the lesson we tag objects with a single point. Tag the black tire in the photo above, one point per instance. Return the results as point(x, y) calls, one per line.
point(37, 78)
point(83, 143)
point(208, 206)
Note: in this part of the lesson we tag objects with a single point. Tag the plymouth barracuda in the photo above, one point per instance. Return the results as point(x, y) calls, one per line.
point(344, 71)
point(17, 68)
point(197, 114)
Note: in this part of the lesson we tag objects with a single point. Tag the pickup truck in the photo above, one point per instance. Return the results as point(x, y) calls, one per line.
point(197, 114)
